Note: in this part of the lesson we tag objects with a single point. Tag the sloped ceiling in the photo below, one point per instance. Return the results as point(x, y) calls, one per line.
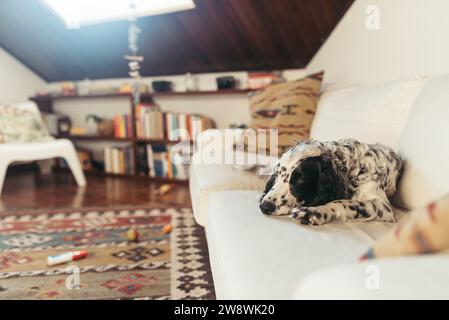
point(219, 35)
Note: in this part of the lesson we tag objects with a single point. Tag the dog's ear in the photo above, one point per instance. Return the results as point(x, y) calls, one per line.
point(315, 182)
point(330, 185)
point(304, 180)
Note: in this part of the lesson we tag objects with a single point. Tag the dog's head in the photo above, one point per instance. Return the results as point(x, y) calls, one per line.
point(301, 179)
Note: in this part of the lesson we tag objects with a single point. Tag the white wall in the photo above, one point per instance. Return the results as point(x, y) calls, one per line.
point(413, 39)
point(17, 82)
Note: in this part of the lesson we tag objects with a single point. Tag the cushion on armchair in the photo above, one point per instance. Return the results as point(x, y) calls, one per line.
point(22, 123)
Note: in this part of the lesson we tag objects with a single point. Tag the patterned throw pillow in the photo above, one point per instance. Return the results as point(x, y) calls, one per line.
point(425, 231)
point(21, 125)
point(289, 107)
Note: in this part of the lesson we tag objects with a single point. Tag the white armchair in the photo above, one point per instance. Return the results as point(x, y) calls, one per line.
point(12, 152)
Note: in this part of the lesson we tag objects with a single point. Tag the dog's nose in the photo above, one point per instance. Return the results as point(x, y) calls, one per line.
point(267, 207)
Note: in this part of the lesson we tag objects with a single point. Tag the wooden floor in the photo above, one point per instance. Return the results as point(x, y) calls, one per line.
point(26, 190)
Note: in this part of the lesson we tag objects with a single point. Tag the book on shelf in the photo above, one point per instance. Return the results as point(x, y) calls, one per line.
point(122, 126)
point(151, 123)
point(189, 125)
point(119, 160)
point(160, 161)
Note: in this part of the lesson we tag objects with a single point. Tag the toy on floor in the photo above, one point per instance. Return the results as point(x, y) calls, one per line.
point(165, 188)
point(132, 235)
point(167, 228)
point(66, 257)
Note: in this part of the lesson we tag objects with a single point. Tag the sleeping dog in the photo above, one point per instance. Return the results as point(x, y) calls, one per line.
point(317, 182)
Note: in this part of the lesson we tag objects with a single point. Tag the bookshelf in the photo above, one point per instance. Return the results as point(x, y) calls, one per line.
point(145, 96)
point(45, 104)
point(102, 138)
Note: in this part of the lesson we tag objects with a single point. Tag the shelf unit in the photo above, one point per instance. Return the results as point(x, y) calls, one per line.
point(107, 138)
point(45, 104)
point(144, 96)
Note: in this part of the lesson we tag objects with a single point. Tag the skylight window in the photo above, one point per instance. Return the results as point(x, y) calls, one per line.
point(83, 12)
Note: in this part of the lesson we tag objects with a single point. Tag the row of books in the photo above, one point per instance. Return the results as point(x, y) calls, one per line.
point(122, 126)
point(149, 122)
point(161, 161)
point(154, 124)
point(185, 126)
point(119, 160)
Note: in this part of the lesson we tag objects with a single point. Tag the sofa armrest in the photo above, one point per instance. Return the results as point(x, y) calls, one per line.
point(423, 277)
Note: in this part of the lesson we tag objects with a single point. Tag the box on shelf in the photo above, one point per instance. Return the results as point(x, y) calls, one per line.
point(259, 80)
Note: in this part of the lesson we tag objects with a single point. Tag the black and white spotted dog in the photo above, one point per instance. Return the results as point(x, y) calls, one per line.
point(317, 182)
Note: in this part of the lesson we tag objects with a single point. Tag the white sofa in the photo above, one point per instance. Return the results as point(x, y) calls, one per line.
point(254, 256)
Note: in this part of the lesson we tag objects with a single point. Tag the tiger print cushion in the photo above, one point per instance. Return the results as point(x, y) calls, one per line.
point(289, 107)
point(20, 125)
point(425, 231)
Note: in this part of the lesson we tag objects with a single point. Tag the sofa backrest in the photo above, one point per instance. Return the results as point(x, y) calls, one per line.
point(411, 116)
point(424, 145)
point(370, 114)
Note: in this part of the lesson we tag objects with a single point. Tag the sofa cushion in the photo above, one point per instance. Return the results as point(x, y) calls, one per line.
point(371, 114)
point(288, 107)
point(254, 256)
point(208, 178)
point(211, 170)
point(424, 146)
point(399, 278)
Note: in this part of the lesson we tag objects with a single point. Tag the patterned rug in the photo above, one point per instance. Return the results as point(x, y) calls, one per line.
point(158, 266)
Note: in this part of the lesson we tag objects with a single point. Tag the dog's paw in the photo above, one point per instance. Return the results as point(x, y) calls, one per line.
point(307, 216)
